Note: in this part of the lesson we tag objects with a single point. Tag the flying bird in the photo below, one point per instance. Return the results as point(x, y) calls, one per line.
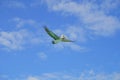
point(56, 38)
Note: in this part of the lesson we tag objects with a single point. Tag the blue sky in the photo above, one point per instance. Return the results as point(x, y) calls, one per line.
point(26, 51)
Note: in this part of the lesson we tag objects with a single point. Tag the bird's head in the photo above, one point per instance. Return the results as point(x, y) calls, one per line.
point(62, 36)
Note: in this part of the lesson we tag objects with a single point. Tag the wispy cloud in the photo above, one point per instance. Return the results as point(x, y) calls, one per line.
point(95, 18)
point(32, 78)
point(13, 4)
point(89, 75)
point(42, 56)
point(83, 76)
point(21, 22)
point(12, 40)
point(110, 4)
point(16, 40)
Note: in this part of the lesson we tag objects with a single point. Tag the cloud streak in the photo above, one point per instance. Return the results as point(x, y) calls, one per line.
point(90, 75)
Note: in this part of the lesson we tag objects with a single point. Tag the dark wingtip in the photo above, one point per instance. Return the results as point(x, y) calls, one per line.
point(45, 27)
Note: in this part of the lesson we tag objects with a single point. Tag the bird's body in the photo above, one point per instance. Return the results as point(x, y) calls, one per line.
point(56, 38)
point(56, 41)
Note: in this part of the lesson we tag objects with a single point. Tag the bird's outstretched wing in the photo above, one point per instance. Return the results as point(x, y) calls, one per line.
point(67, 40)
point(50, 33)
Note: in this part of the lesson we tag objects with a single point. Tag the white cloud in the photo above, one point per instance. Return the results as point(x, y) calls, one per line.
point(12, 40)
point(54, 76)
point(92, 15)
point(71, 76)
point(32, 78)
point(83, 76)
point(16, 40)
